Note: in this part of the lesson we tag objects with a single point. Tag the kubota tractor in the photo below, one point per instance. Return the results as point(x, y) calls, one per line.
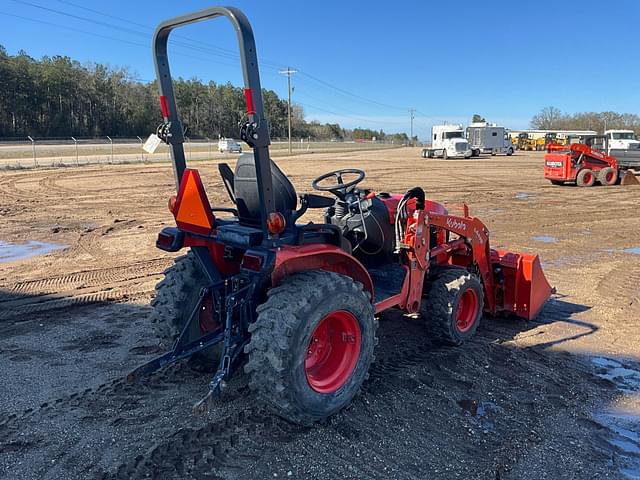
point(296, 303)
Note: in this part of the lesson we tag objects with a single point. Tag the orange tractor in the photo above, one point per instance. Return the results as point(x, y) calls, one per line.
point(297, 303)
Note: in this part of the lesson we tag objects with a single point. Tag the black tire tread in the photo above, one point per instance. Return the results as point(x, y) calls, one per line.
point(268, 349)
point(438, 306)
point(172, 294)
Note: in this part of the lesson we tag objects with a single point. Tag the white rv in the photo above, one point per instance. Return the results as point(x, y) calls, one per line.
point(486, 137)
point(447, 141)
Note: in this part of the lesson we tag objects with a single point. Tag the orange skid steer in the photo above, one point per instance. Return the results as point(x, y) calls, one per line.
point(296, 303)
point(581, 164)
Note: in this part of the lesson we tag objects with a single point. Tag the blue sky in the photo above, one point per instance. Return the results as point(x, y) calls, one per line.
point(448, 60)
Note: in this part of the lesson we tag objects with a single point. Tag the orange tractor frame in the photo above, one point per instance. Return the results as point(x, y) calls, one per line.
point(296, 303)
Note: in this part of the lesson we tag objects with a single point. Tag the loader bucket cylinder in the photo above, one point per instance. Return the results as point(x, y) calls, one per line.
point(525, 287)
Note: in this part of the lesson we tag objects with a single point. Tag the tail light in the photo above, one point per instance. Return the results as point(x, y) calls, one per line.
point(252, 262)
point(170, 239)
point(172, 204)
point(276, 223)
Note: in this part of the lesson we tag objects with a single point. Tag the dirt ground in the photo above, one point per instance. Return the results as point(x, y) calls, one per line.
point(557, 397)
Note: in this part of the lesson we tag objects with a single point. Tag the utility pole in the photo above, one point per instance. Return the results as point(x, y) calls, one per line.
point(288, 72)
point(412, 112)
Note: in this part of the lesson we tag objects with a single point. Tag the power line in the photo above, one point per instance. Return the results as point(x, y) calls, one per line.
point(207, 50)
point(366, 120)
point(350, 94)
point(193, 44)
point(213, 48)
point(340, 110)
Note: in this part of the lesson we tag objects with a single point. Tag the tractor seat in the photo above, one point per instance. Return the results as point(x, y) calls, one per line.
point(245, 189)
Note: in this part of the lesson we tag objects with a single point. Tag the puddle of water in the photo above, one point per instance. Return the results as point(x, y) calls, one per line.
point(633, 250)
point(544, 238)
point(11, 252)
point(524, 195)
point(626, 379)
point(624, 427)
point(480, 410)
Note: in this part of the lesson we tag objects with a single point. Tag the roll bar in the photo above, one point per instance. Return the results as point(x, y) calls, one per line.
point(255, 131)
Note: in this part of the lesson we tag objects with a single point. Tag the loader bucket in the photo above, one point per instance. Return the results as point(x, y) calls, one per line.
point(629, 179)
point(525, 288)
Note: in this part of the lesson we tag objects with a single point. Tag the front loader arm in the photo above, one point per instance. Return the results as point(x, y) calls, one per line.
point(476, 236)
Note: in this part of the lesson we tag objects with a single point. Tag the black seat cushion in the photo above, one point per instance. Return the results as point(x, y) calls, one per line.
point(245, 188)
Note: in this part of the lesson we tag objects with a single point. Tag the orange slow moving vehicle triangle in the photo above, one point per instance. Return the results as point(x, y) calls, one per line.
point(192, 210)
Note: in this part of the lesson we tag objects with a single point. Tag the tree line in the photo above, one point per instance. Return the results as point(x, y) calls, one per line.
point(60, 97)
point(552, 118)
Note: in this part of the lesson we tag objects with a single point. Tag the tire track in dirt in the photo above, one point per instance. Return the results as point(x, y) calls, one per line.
point(89, 278)
point(54, 302)
point(621, 282)
point(10, 188)
point(76, 288)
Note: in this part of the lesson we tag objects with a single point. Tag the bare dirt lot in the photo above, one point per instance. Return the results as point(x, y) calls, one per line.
point(557, 397)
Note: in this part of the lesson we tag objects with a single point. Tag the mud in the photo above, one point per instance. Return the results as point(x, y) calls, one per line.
point(552, 398)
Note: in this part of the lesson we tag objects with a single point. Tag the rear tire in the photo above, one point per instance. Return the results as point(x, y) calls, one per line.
point(607, 176)
point(290, 367)
point(585, 178)
point(176, 296)
point(453, 305)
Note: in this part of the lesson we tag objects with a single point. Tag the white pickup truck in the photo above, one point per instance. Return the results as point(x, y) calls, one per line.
point(447, 141)
point(229, 145)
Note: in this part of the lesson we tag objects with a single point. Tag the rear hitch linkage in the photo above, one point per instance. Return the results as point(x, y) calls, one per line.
point(236, 310)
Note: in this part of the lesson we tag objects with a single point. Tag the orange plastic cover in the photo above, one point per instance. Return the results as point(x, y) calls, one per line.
point(193, 210)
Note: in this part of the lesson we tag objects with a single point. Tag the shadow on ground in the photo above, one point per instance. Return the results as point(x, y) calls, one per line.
point(489, 409)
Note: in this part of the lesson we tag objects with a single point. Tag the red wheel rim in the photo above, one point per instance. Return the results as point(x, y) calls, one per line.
point(206, 321)
point(467, 310)
point(608, 177)
point(588, 178)
point(333, 351)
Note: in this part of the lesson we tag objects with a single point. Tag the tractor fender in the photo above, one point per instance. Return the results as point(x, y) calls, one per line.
point(294, 259)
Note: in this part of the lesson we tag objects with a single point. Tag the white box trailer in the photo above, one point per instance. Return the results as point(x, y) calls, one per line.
point(490, 138)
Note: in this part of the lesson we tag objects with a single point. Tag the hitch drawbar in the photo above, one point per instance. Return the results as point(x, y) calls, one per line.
point(231, 300)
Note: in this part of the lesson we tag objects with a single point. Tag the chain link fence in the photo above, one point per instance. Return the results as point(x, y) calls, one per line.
point(33, 152)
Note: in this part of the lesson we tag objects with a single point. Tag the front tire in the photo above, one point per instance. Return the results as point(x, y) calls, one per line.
point(311, 345)
point(453, 305)
point(445, 155)
point(607, 176)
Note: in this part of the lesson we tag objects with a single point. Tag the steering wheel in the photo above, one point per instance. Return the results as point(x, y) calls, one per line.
point(340, 188)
